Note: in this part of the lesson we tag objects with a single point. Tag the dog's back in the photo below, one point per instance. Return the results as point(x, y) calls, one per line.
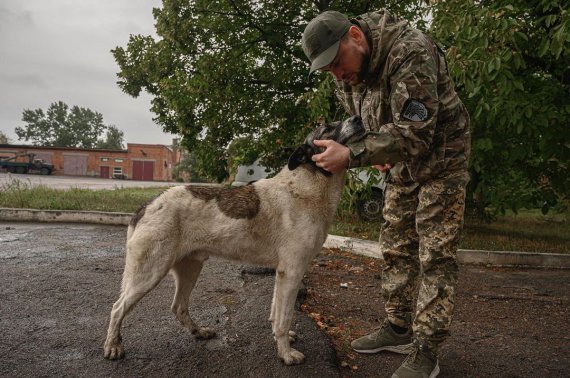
point(249, 223)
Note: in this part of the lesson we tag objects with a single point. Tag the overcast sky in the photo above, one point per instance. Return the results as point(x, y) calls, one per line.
point(53, 50)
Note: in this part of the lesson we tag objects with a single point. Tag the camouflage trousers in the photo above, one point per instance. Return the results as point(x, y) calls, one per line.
point(418, 242)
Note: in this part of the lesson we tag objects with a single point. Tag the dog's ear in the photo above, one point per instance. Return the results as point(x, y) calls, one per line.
point(300, 156)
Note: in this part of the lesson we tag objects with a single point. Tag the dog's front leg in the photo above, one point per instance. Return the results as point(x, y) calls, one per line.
point(286, 288)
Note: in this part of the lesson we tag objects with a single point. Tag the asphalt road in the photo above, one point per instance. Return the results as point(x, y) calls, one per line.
point(58, 283)
point(66, 182)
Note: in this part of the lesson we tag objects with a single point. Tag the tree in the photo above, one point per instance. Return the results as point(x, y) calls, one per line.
point(61, 126)
point(230, 69)
point(114, 139)
point(227, 69)
point(4, 138)
point(511, 61)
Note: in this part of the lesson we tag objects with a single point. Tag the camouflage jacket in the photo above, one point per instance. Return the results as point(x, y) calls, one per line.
point(415, 119)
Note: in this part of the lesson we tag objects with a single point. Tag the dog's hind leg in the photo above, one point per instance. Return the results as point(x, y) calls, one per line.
point(140, 276)
point(287, 283)
point(186, 272)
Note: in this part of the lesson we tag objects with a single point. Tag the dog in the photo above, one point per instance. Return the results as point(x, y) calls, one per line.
point(281, 222)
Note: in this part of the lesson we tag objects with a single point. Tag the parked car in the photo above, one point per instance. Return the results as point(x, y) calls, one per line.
point(368, 205)
point(246, 174)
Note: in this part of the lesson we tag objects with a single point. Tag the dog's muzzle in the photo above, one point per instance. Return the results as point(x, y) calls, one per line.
point(349, 130)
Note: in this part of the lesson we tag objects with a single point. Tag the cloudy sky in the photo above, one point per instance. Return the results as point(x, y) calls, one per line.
point(53, 50)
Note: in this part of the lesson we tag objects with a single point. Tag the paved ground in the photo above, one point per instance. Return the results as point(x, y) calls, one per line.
point(65, 182)
point(59, 281)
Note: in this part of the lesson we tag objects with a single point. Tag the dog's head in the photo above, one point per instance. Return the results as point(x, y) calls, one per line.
point(342, 132)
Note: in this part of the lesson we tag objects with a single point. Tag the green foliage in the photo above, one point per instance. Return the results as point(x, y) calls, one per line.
point(114, 139)
point(355, 188)
point(511, 63)
point(62, 126)
point(230, 69)
point(185, 170)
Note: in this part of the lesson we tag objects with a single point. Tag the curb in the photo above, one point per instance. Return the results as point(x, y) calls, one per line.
point(64, 216)
point(357, 246)
point(464, 256)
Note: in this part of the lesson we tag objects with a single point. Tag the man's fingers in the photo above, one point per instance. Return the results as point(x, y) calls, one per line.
point(322, 142)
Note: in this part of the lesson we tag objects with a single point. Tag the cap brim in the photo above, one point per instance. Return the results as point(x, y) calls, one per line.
point(325, 58)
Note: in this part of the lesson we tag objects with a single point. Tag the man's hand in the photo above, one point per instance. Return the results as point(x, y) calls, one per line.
point(334, 159)
point(383, 168)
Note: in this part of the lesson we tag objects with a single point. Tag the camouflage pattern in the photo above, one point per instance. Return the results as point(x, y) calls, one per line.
point(417, 123)
point(406, 70)
point(427, 218)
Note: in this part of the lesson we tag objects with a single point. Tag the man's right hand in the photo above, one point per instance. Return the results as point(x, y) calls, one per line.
point(383, 168)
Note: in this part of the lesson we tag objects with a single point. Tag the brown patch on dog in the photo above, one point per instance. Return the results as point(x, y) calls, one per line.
point(141, 211)
point(137, 216)
point(240, 202)
point(204, 192)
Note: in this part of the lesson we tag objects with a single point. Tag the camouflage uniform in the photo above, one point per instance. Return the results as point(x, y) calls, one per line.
point(418, 124)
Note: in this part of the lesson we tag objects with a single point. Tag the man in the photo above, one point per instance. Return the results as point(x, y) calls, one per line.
point(396, 79)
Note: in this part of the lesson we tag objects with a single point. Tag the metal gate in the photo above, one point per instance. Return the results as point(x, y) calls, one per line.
point(75, 165)
point(143, 170)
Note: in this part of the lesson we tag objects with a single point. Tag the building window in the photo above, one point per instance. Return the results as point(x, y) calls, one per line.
point(104, 159)
point(117, 170)
point(119, 160)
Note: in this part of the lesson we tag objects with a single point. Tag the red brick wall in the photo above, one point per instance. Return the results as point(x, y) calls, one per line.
point(118, 161)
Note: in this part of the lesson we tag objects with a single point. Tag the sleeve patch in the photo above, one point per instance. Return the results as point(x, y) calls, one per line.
point(415, 111)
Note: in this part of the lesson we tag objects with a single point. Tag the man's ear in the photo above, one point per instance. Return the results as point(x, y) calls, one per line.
point(300, 156)
point(354, 32)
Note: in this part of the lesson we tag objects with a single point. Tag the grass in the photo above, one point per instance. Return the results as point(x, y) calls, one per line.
point(528, 231)
point(19, 194)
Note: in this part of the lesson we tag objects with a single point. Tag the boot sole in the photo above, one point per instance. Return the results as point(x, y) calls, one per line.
point(401, 349)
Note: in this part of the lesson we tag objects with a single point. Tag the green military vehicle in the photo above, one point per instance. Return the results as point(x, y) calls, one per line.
point(33, 165)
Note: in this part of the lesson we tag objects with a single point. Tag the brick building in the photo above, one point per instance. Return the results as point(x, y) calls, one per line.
point(149, 162)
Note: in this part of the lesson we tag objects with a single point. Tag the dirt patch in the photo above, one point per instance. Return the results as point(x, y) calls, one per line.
point(508, 322)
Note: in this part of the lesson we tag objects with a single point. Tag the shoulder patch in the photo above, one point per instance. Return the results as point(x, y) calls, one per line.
point(415, 111)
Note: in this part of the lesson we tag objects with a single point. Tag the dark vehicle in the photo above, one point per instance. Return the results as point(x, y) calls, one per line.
point(33, 165)
point(368, 205)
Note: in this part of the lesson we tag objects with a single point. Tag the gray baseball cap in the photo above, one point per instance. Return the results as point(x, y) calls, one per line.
point(321, 38)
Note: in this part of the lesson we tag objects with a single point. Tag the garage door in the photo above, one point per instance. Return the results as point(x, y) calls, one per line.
point(143, 170)
point(75, 165)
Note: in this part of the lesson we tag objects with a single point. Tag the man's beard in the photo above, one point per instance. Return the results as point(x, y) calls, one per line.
point(363, 72)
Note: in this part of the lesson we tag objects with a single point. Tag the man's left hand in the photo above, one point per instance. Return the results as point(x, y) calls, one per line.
point(335, 157)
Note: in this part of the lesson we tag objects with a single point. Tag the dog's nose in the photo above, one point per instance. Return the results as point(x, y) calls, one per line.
point(355, 119)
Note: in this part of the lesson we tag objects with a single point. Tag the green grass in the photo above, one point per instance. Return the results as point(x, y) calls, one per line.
point(19, 194)
point(528, 231)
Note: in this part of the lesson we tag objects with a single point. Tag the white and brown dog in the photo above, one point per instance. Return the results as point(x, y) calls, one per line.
point(280, 222)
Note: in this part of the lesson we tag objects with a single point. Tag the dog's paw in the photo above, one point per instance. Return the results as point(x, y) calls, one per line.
point(114, 351)
point(204, 333)
point(293, 357)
